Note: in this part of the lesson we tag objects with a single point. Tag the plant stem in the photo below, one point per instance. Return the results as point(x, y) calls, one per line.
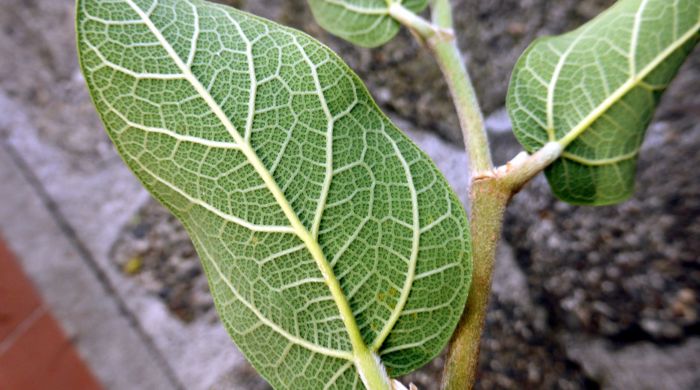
point(441, 12)
point(489, 200)
point(441, 40)
point(490, 195)
point(491, 188)
point(471, 120)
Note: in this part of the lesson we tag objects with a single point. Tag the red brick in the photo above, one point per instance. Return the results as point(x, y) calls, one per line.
point(35, 354)
point(18, 299)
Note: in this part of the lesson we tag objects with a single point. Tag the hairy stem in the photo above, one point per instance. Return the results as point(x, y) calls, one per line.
point(491, 189)
point(490, 194)
point(489, 199)
point(449, 57)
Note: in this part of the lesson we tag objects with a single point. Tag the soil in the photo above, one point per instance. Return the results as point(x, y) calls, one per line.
point(155, 249)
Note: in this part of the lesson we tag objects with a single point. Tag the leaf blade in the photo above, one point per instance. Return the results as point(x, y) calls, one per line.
point(268, 149)
point(365, 23)
point(594, 90)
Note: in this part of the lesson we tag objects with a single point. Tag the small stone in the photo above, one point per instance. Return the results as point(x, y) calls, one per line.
point(516, 28)
point(686, 296)
point(132, 266)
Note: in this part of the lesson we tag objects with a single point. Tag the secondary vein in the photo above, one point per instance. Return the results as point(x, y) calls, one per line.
point(415, 242)
point(267, 322)
point(626, 87)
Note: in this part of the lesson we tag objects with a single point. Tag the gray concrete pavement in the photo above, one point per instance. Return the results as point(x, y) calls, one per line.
point(78, 295)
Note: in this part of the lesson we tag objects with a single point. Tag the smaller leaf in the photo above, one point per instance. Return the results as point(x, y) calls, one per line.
point(594, 91)
point(363, 22)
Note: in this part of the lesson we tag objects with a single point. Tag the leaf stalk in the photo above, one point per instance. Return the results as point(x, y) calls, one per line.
point(521, 169)
point(371, 370)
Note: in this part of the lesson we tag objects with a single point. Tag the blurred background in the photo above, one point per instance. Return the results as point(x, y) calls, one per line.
point(101, 288)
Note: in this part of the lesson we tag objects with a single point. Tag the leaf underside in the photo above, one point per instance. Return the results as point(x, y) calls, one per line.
point(595, 90)
point(363, 22)
point(273, 155)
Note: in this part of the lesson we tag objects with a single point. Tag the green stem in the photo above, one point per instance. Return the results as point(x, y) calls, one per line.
point(491, 190)
point(440, 39)
point(490, 195)
point(489, 200)
point(441, 12)
point(471, 120)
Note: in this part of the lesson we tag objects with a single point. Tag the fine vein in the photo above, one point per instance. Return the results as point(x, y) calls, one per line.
point(313, 246)
point(631, 83)
point(292, 338)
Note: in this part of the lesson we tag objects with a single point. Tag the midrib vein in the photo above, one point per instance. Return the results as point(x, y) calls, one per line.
point(626, 87)
point(358, 344)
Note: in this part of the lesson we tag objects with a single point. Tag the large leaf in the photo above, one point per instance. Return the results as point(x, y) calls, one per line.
point(362, 22)
point(594, 90)
point(315, 218)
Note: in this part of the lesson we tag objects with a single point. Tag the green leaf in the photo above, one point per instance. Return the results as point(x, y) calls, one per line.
point(322, 229)
point(595, 89)
point(363, 22)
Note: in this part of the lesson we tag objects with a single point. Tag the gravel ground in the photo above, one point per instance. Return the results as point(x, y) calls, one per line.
point(155, 249)
point(629, 272)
